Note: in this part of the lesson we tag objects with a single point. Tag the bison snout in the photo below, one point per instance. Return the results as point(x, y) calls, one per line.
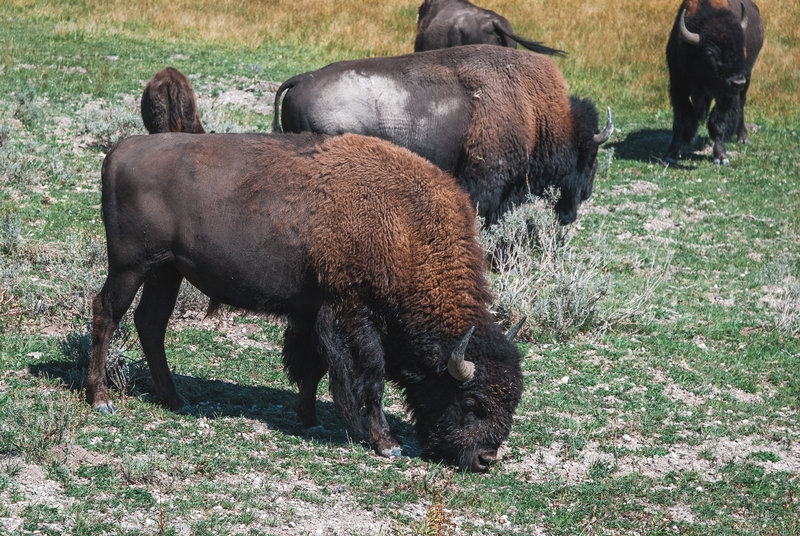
point(483, 459)
point(736, 84)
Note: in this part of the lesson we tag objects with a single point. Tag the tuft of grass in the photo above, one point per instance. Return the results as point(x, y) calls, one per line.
point(28, 110)
point(782, 276)
point(10, 231)
point(108, 124)
point(123, 371)
point(32, 423)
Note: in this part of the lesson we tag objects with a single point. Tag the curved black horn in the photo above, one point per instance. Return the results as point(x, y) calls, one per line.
point(744, 18)
point(602, 137)
point(686, 35)
point(513, 331)
point(458, 367)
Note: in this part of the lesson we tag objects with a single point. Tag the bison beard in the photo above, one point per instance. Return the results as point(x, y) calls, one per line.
point(370, 251)
point(451, 23)
point(710, 54)
point(500, 120)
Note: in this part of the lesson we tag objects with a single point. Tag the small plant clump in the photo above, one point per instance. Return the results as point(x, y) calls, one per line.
point(124, 372)
point(538, 274)
point(108, 124)
point(31, 425)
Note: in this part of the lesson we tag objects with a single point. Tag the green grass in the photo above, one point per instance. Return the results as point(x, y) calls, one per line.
point(680, 419)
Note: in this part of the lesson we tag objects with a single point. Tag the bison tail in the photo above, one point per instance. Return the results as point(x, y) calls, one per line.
point(276, 119)
point(535, 46)
point(175, 115)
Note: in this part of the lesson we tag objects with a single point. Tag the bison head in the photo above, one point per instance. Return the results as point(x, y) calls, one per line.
point(464, 413)
point(716, 49)
point(577, 187)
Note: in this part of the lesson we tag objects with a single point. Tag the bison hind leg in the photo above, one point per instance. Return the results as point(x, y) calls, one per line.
point(353, 349)
point(151, 318)
point(305, 366)
point(108, 308)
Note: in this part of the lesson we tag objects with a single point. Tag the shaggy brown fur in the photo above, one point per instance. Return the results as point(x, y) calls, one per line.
point(370, 251)
point(169, 104)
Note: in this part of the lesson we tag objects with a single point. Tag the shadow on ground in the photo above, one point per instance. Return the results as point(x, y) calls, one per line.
point(649, 146)
point(218, 398)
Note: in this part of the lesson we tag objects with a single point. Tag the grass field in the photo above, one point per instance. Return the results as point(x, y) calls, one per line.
point(673, 410)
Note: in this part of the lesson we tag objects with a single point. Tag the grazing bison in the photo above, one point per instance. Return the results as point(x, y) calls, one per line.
point(710, 54)
point(452, 23)
point(368, 249)
point(500, 120)
point(169, 104)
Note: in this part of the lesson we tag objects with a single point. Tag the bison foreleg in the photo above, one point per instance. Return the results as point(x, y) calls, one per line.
point(354, 352)
point(151, 318)
point(108, 307)
point(305, 366)
point(684, 123)
point(742, 129)
point(722, 122)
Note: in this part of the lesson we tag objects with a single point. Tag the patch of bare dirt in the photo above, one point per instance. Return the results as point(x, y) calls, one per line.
point(708, 459)
point(635, 188)
point(31, 487)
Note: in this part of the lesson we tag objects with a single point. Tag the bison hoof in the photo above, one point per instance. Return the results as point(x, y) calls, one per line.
point(391, 452)
point(105, 407)
point(187, 409)
point(314, 430)
point(724, 162)
point(668, 160)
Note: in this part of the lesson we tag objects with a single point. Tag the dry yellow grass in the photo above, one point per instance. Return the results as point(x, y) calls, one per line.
point(616, 46)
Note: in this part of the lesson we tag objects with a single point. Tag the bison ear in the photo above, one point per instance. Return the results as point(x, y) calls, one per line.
point(602, 137)
point(686, 35)
point(457, 366)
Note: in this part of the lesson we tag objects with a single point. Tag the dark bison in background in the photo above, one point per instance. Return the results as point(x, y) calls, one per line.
point(169, 104)
point(452, 23)
point(370, 251)
point(500, 120)
point(710, 54)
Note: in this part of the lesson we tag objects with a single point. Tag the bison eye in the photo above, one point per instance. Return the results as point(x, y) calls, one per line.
point(473, 404)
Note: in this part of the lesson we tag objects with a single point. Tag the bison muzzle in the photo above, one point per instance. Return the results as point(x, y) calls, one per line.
point(369, 250)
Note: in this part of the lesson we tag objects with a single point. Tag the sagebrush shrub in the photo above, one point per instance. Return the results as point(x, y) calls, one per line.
point(538, 274)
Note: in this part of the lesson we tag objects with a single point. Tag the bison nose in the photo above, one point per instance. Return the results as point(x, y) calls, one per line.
point(737, 84)
point(484, 459)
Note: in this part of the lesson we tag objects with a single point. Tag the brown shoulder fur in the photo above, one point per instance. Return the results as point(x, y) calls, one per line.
point(540, 103)
point(413, 231)
point(692, 6)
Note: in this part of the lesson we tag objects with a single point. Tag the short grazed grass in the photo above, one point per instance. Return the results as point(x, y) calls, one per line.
point(673, 409)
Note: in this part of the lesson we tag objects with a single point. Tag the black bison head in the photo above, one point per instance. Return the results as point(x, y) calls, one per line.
point(579, 184)
point(464, 414)
point(717, 49)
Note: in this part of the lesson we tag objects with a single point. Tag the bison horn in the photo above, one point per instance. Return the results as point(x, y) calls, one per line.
point(458, 367)
point(602, 137)
point(686, 35)
point(513, 331)
point(744, 17)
